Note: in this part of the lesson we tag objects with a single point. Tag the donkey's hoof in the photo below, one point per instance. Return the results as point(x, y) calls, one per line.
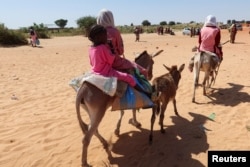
point(117, 132)
point(176, 113)
point(86, 165)
point(135, 123)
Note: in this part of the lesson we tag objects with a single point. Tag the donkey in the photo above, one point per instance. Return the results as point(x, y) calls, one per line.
point(165, 87)
point(207, 62)
point(146, 61)
point(88, 96)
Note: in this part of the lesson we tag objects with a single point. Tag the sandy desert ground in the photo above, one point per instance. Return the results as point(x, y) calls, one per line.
point(39, 128)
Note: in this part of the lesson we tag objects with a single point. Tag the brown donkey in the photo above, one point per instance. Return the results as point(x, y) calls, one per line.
point(165, 87)
point(146, 61)
point(88, 96)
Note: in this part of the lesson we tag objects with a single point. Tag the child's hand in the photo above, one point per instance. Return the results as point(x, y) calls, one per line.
point(144, 72)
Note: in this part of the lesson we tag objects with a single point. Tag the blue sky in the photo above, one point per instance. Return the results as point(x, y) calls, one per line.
point(23, 13)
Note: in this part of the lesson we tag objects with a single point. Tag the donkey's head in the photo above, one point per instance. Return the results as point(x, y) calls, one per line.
point(146, 61)
point(175, 73)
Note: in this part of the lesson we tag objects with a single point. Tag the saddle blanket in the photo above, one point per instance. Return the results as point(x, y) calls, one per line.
point(214, 57)
point(107, 84)
point(132, 99)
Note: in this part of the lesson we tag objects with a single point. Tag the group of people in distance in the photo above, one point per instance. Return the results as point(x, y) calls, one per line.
point(194, 31)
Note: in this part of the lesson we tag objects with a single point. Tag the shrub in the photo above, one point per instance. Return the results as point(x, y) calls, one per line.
point(68, 32)
point(11, 37)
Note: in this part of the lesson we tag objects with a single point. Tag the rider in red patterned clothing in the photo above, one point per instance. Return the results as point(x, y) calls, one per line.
point(209, 39)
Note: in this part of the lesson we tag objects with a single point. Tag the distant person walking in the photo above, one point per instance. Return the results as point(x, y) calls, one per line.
point(192, 32)
point(137, 34)
point(33, 37)
point(233, 32)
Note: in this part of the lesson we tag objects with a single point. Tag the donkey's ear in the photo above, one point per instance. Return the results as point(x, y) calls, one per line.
point(157, 53)
point(139, 55)
point(167, 67)
point(181, 68)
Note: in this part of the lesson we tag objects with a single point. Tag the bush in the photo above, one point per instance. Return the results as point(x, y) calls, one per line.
point(126, 29)
point(41, 30)
point(67, 32)
point(11, 37)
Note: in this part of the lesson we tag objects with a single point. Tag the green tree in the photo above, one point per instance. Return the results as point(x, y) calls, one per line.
point(171, 23)
point(229, 22)
point(61, 23)
point(86, 22)
point(146, 23)
point(163, 23)
point(41, 30)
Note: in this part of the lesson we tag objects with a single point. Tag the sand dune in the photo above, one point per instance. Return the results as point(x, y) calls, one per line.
point(39, 128)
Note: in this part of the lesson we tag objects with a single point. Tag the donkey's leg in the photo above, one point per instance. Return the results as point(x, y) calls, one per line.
point(206, 78)
point(193, 99)
point(154, 111)
point(196, 80)
point(102, 140)
point(85, 143)
point(204, 89)
point(212, 79)
point(83, 125)
point(96, 116)
point(133, 120)
point(163, 109)
point(175, 108)
point(204, 83)
point(105, 144)
point(118, 125)
point(95, 119)
point(208, 84)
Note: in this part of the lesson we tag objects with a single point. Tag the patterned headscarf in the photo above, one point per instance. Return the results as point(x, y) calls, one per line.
point(105, 18)
point(210, 21)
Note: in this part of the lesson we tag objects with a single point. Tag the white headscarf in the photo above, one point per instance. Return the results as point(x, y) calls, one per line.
point(105, 18)
point(210, 21)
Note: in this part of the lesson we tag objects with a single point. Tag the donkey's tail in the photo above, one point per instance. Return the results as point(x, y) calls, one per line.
point(79, 99)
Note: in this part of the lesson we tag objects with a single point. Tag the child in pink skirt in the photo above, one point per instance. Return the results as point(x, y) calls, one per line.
point(33, 37)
